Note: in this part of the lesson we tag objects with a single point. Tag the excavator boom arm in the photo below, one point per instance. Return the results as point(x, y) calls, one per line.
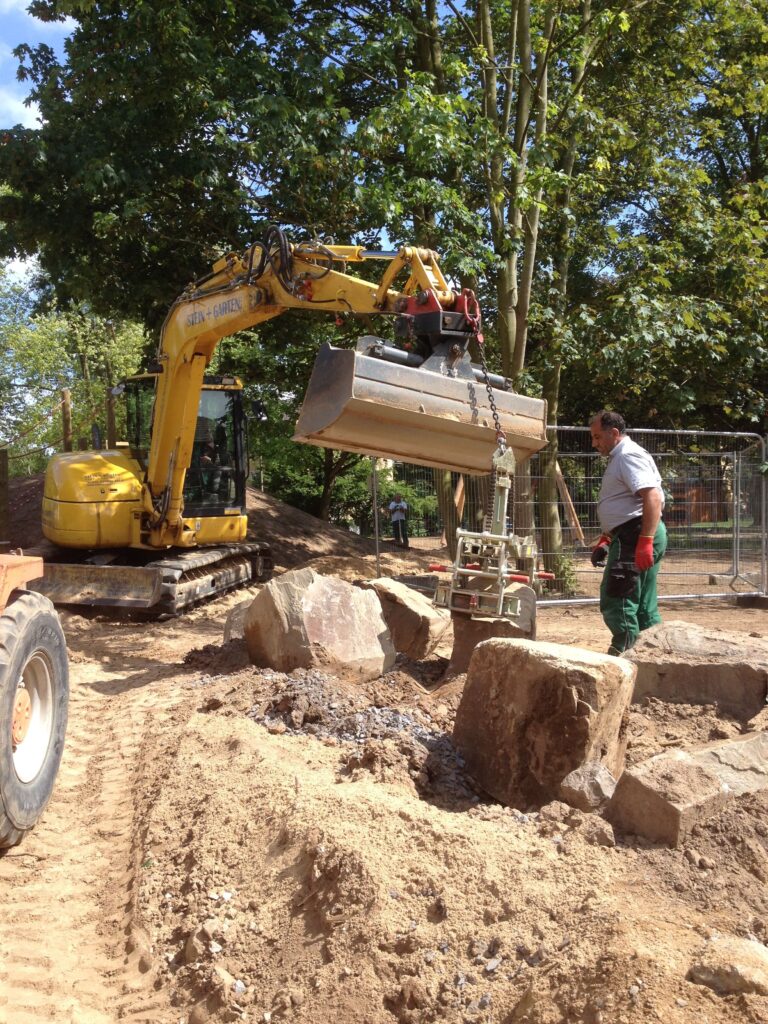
point(240, 292)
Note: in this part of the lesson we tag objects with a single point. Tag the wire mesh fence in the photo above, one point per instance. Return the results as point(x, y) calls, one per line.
point(715, 511)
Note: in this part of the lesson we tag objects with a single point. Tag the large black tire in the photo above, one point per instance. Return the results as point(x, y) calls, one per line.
point(33, 656)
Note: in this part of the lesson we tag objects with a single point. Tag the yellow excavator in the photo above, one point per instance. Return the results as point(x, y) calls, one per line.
point(159, 522)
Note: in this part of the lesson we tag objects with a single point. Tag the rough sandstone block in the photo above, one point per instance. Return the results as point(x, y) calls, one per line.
point(234, 625)
point(302, 619)
point(684, 663)
point(664, 797)
point(469, 632)
point(416, 625)
point(531, 714)
point(732, 966)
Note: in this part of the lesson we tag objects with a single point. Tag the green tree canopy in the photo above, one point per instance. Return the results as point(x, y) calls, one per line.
point(595, 168)
point(43, 353)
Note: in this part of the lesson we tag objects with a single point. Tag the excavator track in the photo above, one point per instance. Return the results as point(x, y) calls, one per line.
point(165, 586)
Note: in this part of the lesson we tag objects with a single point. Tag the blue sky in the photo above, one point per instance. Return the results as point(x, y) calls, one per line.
point(16, 26)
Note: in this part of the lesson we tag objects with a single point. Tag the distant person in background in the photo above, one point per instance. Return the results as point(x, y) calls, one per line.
point(634, 538)
point(398, 512)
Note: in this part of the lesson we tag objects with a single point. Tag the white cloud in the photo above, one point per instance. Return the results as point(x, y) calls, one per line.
point(54, 28)
point(13, 111)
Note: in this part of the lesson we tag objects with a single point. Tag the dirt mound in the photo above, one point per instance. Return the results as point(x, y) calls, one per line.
point(227, 844)
point(345, 568)
point(25, 503)
point(315, 850)
point(295, 537)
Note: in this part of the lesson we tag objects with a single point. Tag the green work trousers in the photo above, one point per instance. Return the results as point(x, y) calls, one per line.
point(638, 609)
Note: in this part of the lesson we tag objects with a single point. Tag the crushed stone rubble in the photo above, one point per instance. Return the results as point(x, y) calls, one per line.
point(305, 702)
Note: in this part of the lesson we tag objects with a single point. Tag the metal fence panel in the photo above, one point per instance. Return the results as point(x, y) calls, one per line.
point(715, 512)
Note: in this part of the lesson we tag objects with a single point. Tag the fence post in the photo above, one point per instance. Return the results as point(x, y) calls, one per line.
point(734, 516)
point(737, 514)
point(66, 418)
point(375, 495)
point(763, 518)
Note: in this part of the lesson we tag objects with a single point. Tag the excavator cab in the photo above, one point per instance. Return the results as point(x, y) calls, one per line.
point(216, 478)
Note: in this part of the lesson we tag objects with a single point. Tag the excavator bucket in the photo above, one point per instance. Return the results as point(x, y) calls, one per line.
point(360, 403)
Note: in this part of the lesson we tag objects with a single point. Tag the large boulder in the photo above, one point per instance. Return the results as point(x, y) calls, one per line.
point(531, 714)
point(416, 625)
point(664, 797)
point(468, 632)
point(303, 620)
point(689, 664)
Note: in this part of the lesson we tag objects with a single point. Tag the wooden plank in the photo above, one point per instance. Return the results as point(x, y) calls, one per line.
point(459, 498)
point(570, 511)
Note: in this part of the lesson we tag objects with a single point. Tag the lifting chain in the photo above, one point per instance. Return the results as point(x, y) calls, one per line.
point(501, 437)
point(501, 440)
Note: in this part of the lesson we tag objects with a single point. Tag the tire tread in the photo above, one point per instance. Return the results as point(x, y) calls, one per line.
point(26, 606)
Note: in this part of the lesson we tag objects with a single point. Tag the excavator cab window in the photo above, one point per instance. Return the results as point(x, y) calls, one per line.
point(215, 480)
point(139, 397)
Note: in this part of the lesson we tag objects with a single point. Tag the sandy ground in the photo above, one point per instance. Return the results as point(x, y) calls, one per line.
point(226, 843)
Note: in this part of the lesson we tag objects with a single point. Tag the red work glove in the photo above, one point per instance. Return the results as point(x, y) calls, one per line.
point(600, 551)
point(644, 553)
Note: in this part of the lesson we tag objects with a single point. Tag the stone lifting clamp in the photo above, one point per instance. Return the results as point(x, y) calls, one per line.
point(488, 562)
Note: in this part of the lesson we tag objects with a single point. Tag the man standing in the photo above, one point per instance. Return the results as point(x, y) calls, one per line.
point(634, 538)
point(398, 511)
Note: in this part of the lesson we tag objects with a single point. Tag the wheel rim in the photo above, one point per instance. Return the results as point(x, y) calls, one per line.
point(33, 718)
point(22, 712)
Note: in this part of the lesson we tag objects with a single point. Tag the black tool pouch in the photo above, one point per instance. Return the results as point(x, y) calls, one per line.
point(623, 575)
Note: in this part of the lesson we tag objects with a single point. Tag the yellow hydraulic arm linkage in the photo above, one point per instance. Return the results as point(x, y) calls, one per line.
point(430, 381)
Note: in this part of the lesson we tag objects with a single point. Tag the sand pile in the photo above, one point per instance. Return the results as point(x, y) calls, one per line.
point(314, 851)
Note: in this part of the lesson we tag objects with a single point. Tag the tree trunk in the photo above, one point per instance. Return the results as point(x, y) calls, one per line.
point(549, 513)
point(506, 295)
point(446, 504)
point(525, 521)
point(329, 476)
point(334, 465)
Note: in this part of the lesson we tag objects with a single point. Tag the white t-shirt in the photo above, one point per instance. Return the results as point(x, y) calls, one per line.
point(397, 510)
point(630, 469)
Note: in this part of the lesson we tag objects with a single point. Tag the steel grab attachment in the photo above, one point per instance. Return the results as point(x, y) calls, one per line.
point(357, 402)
